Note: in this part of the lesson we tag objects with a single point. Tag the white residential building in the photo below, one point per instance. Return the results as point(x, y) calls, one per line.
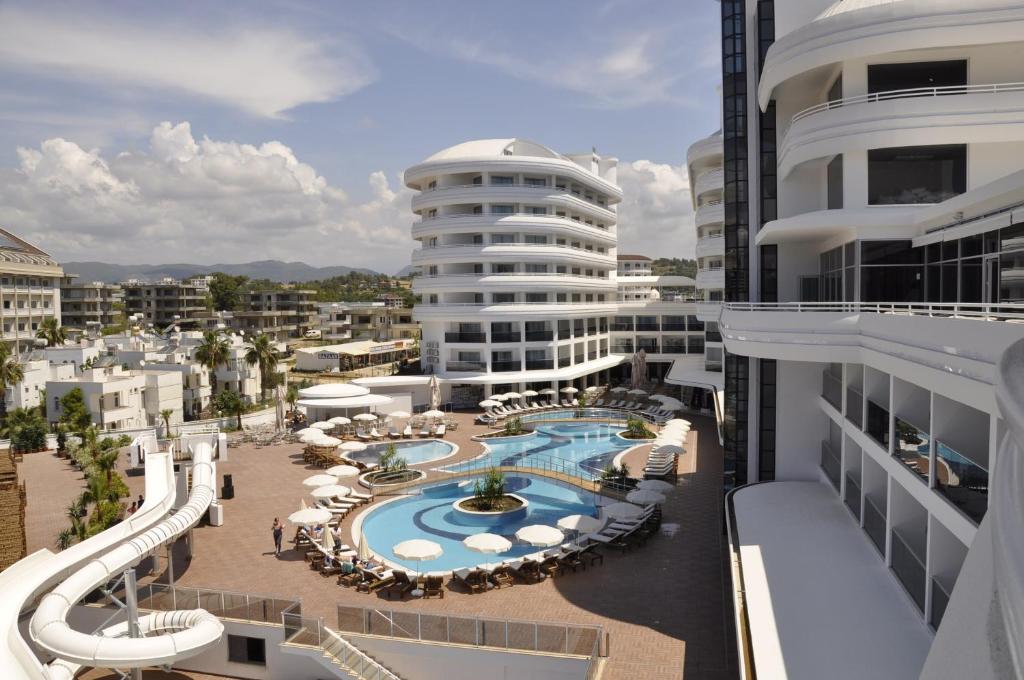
point(518, 265)
point(113, 396)
point(76, 355)
point(236, 375)
point(335, 321)
point(873, 176)
point(29, 291)
point(38, 371)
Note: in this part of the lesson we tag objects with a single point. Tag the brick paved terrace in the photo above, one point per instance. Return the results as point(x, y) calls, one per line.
point(664, 604)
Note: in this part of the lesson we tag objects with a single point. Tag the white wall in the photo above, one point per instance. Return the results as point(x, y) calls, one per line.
point(800, 424)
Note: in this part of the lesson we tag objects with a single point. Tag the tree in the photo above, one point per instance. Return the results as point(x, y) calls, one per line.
point(11, 374)
point(225, 289)
point(27, 430)
point(51, 331)
point(230, 402)
point(213, 351)
point(74, 414)
point(166, 415)
point(291, 395)
point(390, 461)
point(489, 491)
point(262, 352)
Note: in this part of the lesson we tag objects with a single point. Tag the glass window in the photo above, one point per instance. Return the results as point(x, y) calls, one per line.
point(1012, 238)
point(242, 649)
point(834, 177)
point(916, 174)
point(970, 280)
point(889, 252)
point(1011, 277)
point(950, 250)
point(971, 246)
point(913, 75)
point(892, 284)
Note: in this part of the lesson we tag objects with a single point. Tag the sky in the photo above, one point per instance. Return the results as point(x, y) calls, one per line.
point(139, 132)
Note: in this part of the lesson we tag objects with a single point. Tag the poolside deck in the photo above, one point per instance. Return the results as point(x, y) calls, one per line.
point(664, 604)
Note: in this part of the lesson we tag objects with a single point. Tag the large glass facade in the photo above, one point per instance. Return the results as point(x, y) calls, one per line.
point(916, 174)
point(767, 373)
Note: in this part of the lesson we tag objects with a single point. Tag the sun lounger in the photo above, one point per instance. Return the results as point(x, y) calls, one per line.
point(535, 406)
point(425, 432)
point(393, 432)
point(433, 584)
point(501, 576)
point(407, 432)
point(575, 402)
point(373, 581)
point(441, 430)
point(589, 555)
point(474, 579)
point(566, 403)
point(528, 570)
point(400, 585)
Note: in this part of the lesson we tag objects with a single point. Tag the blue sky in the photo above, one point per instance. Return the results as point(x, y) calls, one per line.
point(288, 124)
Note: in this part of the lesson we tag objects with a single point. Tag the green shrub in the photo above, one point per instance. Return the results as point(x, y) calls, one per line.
point(513, 426)
point(488, 492)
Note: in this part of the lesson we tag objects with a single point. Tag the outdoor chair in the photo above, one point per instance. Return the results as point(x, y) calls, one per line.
point(502, 576)
point(407, 432)
point(433, 584)
point(550, 566)
point(372, 581)
point(474, 579)
point(529, 571)
point(393, 432)
point(400, 585)
point(441, 430)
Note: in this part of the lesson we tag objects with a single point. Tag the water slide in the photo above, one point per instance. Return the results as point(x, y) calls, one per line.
point(77, 571)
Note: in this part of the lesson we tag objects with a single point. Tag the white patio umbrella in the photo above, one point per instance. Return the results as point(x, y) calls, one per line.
point(548, 390)
point(363, 549)
point(669, 449)
point(592, 389)
point(343, 471)
point(637, 391)
point(367, 417)
point(513, 395)
point(584, 524)
point(319, 480)
point(331, 491)
point(328, 540)
point(327, 441)
point(487, 543)
point(308, 430)
point(433, 413)
point(644, 497)
point(340, 420)
point(417, 550)
point(659, 485)
point(398, 414)
point(310, 516)
point(678, 421)
point(352, 446)
point(312, 437)
point(540, 535)
point(323, 425)
point(623, 511)
point(668, 402)
point(620, 389)
point(499, 397)
point(489, 403)
point(530, 393)
point(568, 390)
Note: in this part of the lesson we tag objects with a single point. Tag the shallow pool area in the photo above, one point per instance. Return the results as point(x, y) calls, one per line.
point(414, 452)
point(429, 514)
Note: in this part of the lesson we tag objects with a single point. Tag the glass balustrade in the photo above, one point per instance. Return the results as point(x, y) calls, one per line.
point(855, 407)
point(852, 499)
point(832, 389)
point(962, 481)
point(874, 522)
point(909, 568)
point(878, 424)
point(912, 448)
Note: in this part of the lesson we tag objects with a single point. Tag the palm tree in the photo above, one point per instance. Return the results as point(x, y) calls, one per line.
point(262, 352)
point(231, 403)
point(51, 331)
point(213, 351)
point(11, 374)
point(166, 415)
point(105, 461)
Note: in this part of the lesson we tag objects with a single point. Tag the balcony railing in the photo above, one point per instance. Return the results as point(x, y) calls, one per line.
point(855, 406)
point(466, 366)
point(874, 523)
point(513, 304)
point(621, 327)
point(564, 361)
point(962, 481)
point(648, 327)
point(480, 275)
point(505, 337)
point(909, 568)
point(591, 356)
point(465, 337)
point(517, 244)
point(912, 448)
point(622, 349)
point(910, 93)
point(673, 327)
point(539, 336)
point(830, 463)
point(649, 348)
point(564, 334)
point(878, 424)
point(1002, 311)
point(521, 185)
point(852, 498)
point(832, 389)
point(940, 600)
point(506, 366)
point(539, 364)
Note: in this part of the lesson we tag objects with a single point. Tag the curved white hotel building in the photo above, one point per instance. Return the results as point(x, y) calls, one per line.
point(873, 184)
point(518, 266)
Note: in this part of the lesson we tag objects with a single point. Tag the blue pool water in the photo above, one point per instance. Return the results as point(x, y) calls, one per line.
point(591, 446)
point(414, 452)
point(430, 515)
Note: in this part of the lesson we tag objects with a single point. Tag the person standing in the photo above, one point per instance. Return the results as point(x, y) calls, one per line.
point(278, 535)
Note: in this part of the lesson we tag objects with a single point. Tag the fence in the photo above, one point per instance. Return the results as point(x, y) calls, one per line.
point(223, 603)
point(510, 634)
point(310, 632)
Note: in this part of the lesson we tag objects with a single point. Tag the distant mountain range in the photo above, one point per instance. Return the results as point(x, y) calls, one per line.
point(275, 270)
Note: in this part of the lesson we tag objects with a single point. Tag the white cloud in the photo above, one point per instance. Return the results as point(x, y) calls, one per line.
point(655, 216)
point(262, 71)
point(204, 200)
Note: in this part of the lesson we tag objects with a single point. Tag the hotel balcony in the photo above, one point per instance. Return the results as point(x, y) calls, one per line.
point(510, 281)
point(711, 212)
point(459, 253)
point(708, 311)
point(711, 246)
point(462, 223)
point(705, 152)
point(470, 311)
point(708, 182)
point(471, 194)
point(711, 278)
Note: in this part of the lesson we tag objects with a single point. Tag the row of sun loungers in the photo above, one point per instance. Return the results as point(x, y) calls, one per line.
point(625, 534)
point(660, 465)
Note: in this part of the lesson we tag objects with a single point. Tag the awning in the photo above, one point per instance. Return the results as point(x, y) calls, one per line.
point(360, 401)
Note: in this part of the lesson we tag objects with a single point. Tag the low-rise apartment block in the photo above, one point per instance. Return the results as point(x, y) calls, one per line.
point(29, 290)
point(282, 314)
point(167, 302)
point(90, 304)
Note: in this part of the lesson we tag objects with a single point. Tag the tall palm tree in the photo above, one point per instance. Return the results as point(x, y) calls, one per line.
point(166, 415)
point(51, 331)
point(213, 351)
point(11, 374)
point(262, 352)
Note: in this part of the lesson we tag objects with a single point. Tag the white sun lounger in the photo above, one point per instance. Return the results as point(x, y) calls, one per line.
point(407, 432)
point(440, 430)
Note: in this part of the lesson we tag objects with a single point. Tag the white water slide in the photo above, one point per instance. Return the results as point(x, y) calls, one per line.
point(63, 579)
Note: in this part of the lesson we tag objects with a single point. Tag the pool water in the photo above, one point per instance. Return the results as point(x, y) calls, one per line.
point(430, 515)
point(414, 452)
point(591, 446)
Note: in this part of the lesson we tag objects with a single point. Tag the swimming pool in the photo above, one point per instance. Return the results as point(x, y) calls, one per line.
point(430, 515)
point(414, 452)
point(592, 446)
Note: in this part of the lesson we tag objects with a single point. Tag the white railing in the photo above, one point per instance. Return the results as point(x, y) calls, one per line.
point(1006, 506)
point(516, 244)
point(561, 218)
point(971, 310)
point(310, 632)
point(571, 305)
point(944, 91)
point(487, 275)
point(710, 269)
point(519, 185)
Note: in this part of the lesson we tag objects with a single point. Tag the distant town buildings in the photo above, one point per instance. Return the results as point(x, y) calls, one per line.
point(281, 314)
point(86, 305)
point(29, 290)
point(167, 302)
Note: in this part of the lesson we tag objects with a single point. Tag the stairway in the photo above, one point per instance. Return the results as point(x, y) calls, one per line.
point(343, 655)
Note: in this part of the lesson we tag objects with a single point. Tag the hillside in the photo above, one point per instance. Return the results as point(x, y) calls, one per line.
point(274, 270)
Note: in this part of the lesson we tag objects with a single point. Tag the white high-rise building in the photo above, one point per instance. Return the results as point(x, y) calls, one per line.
point(518, 265)
point(873, 174)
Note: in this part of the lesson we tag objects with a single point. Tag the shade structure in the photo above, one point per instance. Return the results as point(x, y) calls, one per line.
point(637, 391)
point(398, 414)
point(619, 390)
point(365, 417)
point(352, 446)
point(310, 516)
point(487, 543)
point(327, 441)
point(678, 421)
point(319, 480)
point(669, 449)
point(623, 511)
point(489, 403)
point(312, 437)
point(435, 393)
point(582, 523)
point(433, 413)
point(328, 540)
point(644, 496)
point(323, 425)
point(340, 420)
point(568, 390)
point(668, 402)
point(592, 389)
point(540, 535)
point(638, 369)
point(548, 390)
point(363, 549)
point(308, 430)
point(417, 550)
point(659, 485)
point(331, 491)
point(513, 395)
point(530, 393)
point(343, 471)
point(499, 397)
